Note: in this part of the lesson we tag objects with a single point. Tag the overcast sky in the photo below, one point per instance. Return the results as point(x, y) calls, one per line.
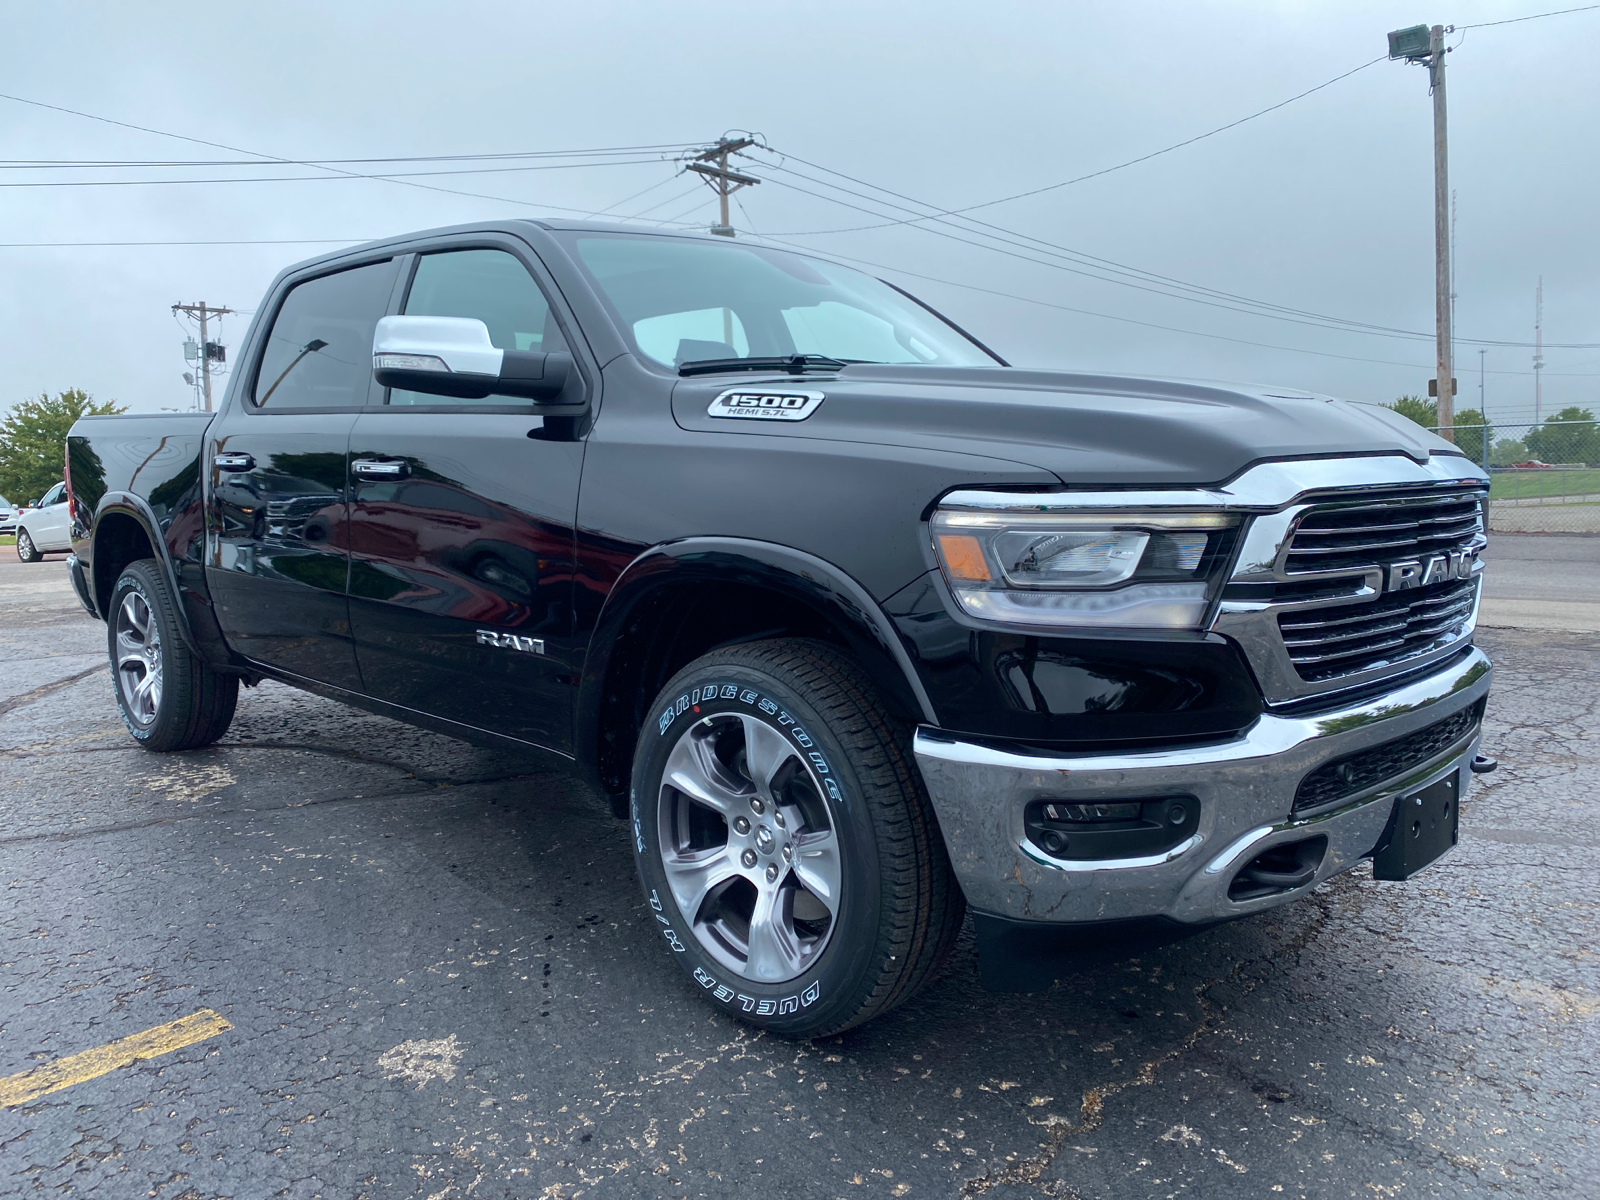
point(1324, 205)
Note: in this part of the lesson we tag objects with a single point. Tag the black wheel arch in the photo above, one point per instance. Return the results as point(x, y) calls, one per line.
point(682, 599)
point(126, 530)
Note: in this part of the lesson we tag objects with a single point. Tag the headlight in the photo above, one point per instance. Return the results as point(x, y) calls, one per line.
point(1105, 569)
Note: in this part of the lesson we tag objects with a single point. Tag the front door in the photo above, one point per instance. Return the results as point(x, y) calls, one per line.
point(277, 560)
point(51, 527)
point(461, 527)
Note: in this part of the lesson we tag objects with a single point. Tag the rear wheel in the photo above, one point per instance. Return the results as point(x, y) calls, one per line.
point(26, 550)
point(787, 847)
point(169, 698)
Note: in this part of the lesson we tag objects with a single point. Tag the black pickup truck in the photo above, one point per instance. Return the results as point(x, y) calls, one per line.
point(857, 625)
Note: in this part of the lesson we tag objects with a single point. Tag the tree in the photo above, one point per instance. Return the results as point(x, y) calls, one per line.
point(1508, 452)
point(1423, 412)
point(1469, 428)
point(33, 440)
point(1567, 437)
point(1471, 431)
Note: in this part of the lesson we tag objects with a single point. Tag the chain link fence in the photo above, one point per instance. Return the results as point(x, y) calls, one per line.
point(1544, 477)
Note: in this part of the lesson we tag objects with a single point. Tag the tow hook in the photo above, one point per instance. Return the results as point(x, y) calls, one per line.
point(1482, 764)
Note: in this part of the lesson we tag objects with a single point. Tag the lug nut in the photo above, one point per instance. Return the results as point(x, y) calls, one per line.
point(756, 805)
point(748, 858)
point(777, 817)
point(772, 872)
point(741, 825)
point(788, 854)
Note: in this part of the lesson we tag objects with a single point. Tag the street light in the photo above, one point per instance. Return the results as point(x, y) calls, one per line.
point(1410, 44)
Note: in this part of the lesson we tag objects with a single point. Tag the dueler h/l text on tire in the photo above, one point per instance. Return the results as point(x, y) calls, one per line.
point(169, 699)
point(790, 858)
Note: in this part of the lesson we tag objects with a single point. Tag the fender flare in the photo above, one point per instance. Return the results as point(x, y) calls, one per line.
point(132, 505)
point(825, 587)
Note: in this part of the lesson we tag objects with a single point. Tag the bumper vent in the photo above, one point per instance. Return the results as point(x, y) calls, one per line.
point(1343, 777)
point(1324, 643)
point(1355, 534)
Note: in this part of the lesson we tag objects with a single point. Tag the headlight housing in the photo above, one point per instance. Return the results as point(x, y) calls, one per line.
point(1105, 569)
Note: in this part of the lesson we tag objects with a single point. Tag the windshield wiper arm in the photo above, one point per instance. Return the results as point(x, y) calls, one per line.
point(794, 364)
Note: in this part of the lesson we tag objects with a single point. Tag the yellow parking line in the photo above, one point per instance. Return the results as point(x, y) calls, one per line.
point(87, 1064)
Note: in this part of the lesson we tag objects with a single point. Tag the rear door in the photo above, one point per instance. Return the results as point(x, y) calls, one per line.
point(461, 525)
point(278, 524)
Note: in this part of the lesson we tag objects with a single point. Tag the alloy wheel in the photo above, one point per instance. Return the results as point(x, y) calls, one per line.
point(749, 846)
point(138, 658)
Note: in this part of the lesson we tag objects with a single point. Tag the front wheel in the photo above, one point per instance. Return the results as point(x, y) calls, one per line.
point(26, 550)
point(169, 698)
point(789, 854)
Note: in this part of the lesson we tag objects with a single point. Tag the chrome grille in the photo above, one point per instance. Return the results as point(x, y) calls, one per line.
point(1324, 643)
point(1378, 529)
point(1363, 537)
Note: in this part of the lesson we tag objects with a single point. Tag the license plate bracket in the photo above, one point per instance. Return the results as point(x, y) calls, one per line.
point(1421, 828)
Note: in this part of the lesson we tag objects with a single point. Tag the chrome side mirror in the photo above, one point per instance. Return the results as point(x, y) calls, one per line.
point(453, 356)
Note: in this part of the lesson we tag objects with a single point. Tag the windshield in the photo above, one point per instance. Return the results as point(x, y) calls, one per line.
point(688, 301)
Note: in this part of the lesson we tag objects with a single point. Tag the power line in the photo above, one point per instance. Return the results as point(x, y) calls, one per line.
point(55, 164)
point(229, 242)
point(644, 192)
point(1105, 316)
point(1560, 12)
point(390, 176)
point(694, 190)
point(1138, 278)
point(431, 187)
point(1120, 166)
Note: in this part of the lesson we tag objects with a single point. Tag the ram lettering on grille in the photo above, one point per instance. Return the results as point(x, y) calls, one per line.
point(1424, 550)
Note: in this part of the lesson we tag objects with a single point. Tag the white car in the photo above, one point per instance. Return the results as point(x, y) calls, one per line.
point(8, 516)
point(45, 526)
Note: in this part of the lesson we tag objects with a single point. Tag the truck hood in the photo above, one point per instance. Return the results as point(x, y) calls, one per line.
point(1084, 429)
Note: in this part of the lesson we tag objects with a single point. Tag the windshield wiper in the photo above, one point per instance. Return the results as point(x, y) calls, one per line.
point(794, 364)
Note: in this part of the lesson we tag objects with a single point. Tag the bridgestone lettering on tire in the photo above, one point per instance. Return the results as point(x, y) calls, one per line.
point(169, 698)
point(790, 859)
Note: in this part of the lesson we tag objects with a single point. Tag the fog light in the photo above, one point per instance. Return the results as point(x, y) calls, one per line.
point(1122, 811)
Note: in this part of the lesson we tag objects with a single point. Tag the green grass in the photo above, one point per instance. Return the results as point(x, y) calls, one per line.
point(8, 539)
point(1516, 485)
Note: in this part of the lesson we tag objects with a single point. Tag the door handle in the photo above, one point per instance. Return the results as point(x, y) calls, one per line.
point(234, 462)
point(378, 471)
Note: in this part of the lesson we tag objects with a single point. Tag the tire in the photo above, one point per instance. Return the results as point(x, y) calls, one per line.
point(169, 698)
point(737, 885)
point(26, 550)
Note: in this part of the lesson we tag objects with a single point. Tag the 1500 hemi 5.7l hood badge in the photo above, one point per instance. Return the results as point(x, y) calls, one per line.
point(765, 405)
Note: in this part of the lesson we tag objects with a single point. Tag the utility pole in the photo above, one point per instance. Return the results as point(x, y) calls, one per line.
point(1538, 350)
point(1420, 44)
point(712, 165)
point(210, 351)
point(1483, 409)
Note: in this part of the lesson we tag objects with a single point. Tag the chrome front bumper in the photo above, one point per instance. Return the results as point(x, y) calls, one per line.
point(1246, 788)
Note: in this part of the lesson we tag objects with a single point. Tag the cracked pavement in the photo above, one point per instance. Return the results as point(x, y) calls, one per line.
point(442, 982)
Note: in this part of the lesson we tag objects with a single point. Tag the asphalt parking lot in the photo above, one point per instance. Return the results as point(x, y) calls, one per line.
point(429, 973)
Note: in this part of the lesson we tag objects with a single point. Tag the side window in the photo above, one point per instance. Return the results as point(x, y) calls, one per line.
point(54, 496)
point(492, 286)
point(319, 353)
